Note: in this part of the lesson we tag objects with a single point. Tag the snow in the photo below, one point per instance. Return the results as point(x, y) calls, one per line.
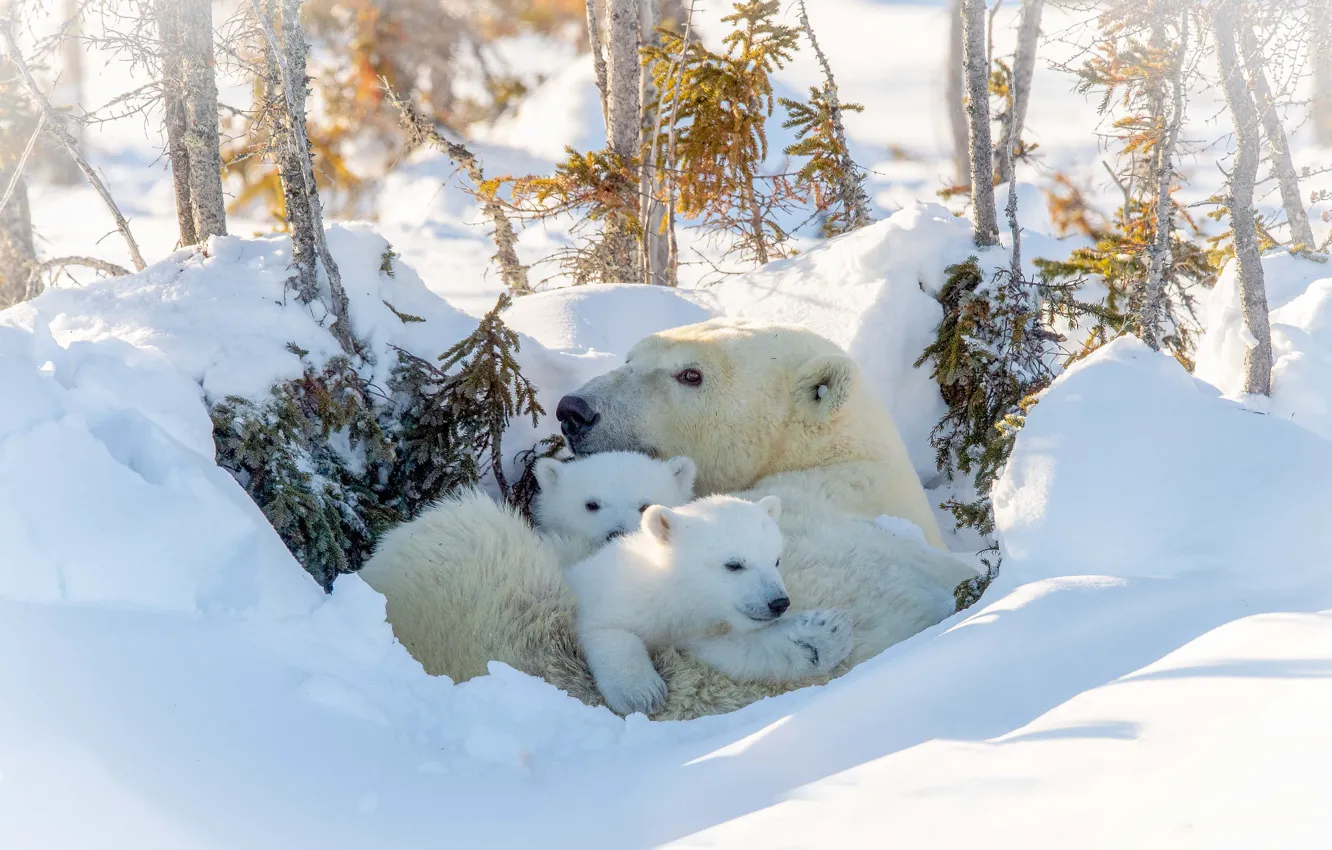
point(1150, 668)
point(1299, 300)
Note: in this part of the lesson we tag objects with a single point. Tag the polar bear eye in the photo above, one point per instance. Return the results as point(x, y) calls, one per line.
point(689, 377)
point(593, 506)
point(643, 507)
point(735, 566)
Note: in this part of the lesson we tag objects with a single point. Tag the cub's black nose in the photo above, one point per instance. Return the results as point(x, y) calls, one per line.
point(576, 416)
point(779, 605)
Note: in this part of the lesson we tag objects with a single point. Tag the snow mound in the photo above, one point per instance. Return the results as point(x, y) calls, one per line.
point(873, 293)
point(225, 319)
point(605, 319)
point(1191, 481)
point(1299, 300)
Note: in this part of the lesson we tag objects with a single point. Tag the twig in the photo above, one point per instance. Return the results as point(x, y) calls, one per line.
point(59, 129)
point(22, 162)
point(598, 58)
point(34, 277)
point(421, 131)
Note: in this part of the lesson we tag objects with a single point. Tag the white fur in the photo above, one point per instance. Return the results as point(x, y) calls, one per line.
point(595, 498)
point(468, 581)
point(702, 578)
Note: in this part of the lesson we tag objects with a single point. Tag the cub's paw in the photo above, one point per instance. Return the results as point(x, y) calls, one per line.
point(823, 636)
point(645, 693)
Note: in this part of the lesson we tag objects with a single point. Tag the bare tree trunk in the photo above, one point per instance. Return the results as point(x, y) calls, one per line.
point(57, 123)
point(1024, 68)
point(953, 95)
point(654, 253)
point(289, 154)
point(598, 57)
point(1258, 356)
point(17, 256)
point(1283, 167)
point(177, 124)
point(202, 138)
point(1321, 56)
point(623, 122)
point(68, 94)
point(623, 111)
point(1163, 170)
point(290, 56)
point(851, 186)
point(978, 123)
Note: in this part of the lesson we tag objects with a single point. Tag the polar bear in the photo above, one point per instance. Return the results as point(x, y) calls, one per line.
point(704, 579)
point(597, 497)
point(762, 411)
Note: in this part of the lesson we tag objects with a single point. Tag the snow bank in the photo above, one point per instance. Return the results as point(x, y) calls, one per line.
point(1190, 482)
point(872, 292)
point(1299, 300)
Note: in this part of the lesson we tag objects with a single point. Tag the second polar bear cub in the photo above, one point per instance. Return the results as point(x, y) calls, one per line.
point(598, 497)
point(702, 578)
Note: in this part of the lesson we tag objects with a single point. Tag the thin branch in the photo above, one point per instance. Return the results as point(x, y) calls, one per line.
point(57, 121)
point(22, 162)
point(61, 263)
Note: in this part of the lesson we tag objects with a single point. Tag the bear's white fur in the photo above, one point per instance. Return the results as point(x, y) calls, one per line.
point(774, 411)
point(592, 499)
point(704, 579)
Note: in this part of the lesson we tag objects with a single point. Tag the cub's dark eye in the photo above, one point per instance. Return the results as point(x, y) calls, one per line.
point(593, 506)
point(779, 563)
point(642, 508)
point(734, 566)
point(689, 377)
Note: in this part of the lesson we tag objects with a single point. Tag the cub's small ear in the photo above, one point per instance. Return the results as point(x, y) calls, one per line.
point(547, 472)
point(685, 471)
point(773, 505)
point(824, 384)
point(659, 522)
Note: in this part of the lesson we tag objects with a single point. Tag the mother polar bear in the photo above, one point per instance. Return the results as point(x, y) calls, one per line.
point(762, 410)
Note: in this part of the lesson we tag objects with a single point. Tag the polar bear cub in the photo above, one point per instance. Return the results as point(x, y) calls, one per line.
point(702, 578)
point(598, 497)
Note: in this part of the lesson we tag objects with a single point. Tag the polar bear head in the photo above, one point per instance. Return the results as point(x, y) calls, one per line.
point(744, 401)
point(602, 496)
point(724, 553)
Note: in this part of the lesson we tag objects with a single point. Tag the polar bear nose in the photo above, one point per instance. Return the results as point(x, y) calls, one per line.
point(576, 415)
point(779, 605)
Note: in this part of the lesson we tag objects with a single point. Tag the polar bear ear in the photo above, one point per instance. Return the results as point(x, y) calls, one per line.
point(547, 472)
point(773, 505)
point(684, 470)
point(659, 522)
point(825, 383)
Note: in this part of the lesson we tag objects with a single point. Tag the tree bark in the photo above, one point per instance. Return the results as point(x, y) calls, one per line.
point(954, 97)
point(174, 109)
point(654, 253)
point(598, 57)
point(1163, 170)
point(1283, 167)
point(624, 117)
point(1024, 68)
point(17, 255)
point(623, 113)
point(202, 137)
point(978, 123)
point(289, 153)
point(290, 56)
point(1258, 356)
